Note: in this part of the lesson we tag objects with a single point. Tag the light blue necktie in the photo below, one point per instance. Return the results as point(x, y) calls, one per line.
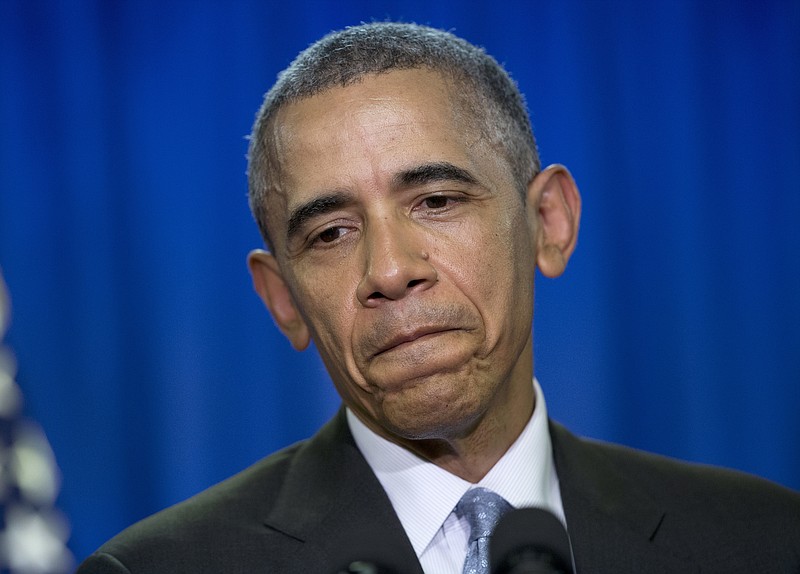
point(482, 508)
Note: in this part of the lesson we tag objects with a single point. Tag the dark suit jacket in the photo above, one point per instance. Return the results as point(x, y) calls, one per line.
point(315, 506)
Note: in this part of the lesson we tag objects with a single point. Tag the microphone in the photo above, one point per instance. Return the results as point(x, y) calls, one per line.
point(364, 567)
point(368, 552)
point(530, 541)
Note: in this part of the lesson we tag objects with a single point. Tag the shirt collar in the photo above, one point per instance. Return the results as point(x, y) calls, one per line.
point(423, 494)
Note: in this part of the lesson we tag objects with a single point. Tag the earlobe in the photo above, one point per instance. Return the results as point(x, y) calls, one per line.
point(555, 202)
point(270, 285)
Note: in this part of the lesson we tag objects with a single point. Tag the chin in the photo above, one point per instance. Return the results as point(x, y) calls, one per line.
point(430, 416)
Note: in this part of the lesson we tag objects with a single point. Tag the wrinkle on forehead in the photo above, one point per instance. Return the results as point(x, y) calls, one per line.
point(381, 113)
point(311, 131)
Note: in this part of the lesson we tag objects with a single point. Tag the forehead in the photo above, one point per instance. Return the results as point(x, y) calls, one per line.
point(405, 104)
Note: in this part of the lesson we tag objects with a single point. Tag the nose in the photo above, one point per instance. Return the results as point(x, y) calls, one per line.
point(396, 263)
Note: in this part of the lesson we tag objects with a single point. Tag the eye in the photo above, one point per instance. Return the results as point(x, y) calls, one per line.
point(436, 201)
point(330, 234)
point(441, 202)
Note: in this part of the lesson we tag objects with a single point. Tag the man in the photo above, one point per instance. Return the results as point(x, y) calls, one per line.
point(395, 179)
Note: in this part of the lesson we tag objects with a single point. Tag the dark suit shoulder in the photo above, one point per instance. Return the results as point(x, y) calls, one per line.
point(310, 508)
point(622, 502)
point(187, 536)
point(689, 485)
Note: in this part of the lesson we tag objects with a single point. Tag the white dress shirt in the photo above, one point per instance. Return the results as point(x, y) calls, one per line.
point(424, 495)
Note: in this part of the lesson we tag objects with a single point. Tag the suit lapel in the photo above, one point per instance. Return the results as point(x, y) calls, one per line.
point(333, 503)
point(613, 523)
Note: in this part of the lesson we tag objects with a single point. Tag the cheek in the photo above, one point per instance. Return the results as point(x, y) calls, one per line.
point(493, 268)
point(493, 261)
point(330, 322)
point(325, 299)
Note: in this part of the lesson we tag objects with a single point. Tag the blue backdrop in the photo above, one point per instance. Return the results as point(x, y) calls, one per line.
point(124, 228)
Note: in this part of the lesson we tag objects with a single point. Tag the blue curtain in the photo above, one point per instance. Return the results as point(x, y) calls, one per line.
point(152, 365)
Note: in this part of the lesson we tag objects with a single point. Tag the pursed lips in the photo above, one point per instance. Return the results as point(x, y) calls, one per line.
point(406, 337)
point(395, 326)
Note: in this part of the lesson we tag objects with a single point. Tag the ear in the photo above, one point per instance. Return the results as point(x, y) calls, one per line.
point(555, 204)
point(270, 285)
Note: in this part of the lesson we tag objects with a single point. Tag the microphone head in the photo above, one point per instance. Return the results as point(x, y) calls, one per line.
point(366, 551)
point(530, 541)
point(364, 567)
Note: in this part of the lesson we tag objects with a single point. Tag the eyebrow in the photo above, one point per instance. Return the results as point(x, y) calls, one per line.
point(431, 173)
point(317, 206)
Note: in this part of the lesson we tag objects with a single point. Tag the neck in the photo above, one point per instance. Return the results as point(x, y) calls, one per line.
point(472, 453)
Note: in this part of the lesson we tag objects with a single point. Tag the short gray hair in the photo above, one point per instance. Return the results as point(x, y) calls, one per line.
point(342, 58)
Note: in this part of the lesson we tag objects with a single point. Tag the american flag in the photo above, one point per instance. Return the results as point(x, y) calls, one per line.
point(33, 533)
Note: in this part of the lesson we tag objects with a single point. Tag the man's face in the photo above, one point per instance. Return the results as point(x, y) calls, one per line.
point(408, 253)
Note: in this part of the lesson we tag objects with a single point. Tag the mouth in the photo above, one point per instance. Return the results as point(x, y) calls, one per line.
point(409, 334)
point(406, 337)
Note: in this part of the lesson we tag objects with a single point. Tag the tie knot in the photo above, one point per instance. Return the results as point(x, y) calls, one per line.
point(482, 508)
